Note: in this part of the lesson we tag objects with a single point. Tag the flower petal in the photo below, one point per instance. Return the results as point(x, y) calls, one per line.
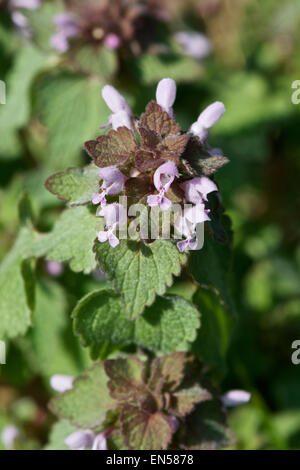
point(114, 100)
point(121, 119)
point(115, 215)
point(212, 114)
point(113, 179)
point(100, 442)
point(235, 398)
point(103, 236)
point(61, 383)
point(164, 175)
point(165, 204)
point(197, 214)
point(153, 200)
point(182, 245)
point(194, 44)
point(113, 240)
point(9, 434)
point(197, 189)
point(80, 440)
point(112, 41)
point(166, 94)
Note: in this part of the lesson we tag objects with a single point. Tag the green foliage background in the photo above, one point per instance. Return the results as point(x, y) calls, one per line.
point(51, 110)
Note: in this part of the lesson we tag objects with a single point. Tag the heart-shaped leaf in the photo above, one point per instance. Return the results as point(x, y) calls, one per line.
point(112, 149)
point(75, 185)
point(140, 271)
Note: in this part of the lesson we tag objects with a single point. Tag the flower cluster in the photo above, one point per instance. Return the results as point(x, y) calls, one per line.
point(15, 8)
point(151, 158)
point(111, 23)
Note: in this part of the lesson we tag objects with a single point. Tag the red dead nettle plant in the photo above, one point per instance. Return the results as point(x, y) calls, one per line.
point(153, 328)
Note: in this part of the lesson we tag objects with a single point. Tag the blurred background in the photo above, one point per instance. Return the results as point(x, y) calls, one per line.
point(54, 59)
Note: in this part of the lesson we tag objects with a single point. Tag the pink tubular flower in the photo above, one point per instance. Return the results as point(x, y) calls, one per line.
point(100, 442)
point(85, 440)
point(166, 94)
point(194, 44)
point(61, 383)
point(115, 216)
point(197, 214)
point(9, 434)
point(26, 4)
point(235, 398)
point(80, 440)
point(18, 18)
point(113, 183)
point(207, 119)
point(122, 114)
point(197, 189)
point(112, 41)
point(54, 268)
point(188, 229)
point(163, 178)
point(66, 28)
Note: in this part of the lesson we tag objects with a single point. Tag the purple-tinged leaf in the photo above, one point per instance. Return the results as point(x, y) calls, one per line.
point(167, 371)
point(145, 431)
point(145, 160)
point(206, 428)
point(137, 188)
point(126, 376)
point(183, 401)
point(157, 120)
point(112, 149)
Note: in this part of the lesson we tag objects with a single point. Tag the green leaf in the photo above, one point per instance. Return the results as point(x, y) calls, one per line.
point(213, 338)
point(16, 112)
point(169, 325)
point(115, 440)
point(75, 185)
point(88, 402)
point(100, 61)
point(59, 432)
point(140, 271)
point(206, 429)
point(55, 348)
point(112, 149)
point(145, 431)
point(16, 287)
point(167, 371)
point(126, 375)
point(184, 401)
point(210, 266)
point(71, 240)
point(72, 115)
point(152, 68)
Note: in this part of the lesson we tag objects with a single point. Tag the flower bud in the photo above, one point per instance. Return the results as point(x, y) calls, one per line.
point(166, 94)
point(235, 398)
point(80, 440)
point(61, 383)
